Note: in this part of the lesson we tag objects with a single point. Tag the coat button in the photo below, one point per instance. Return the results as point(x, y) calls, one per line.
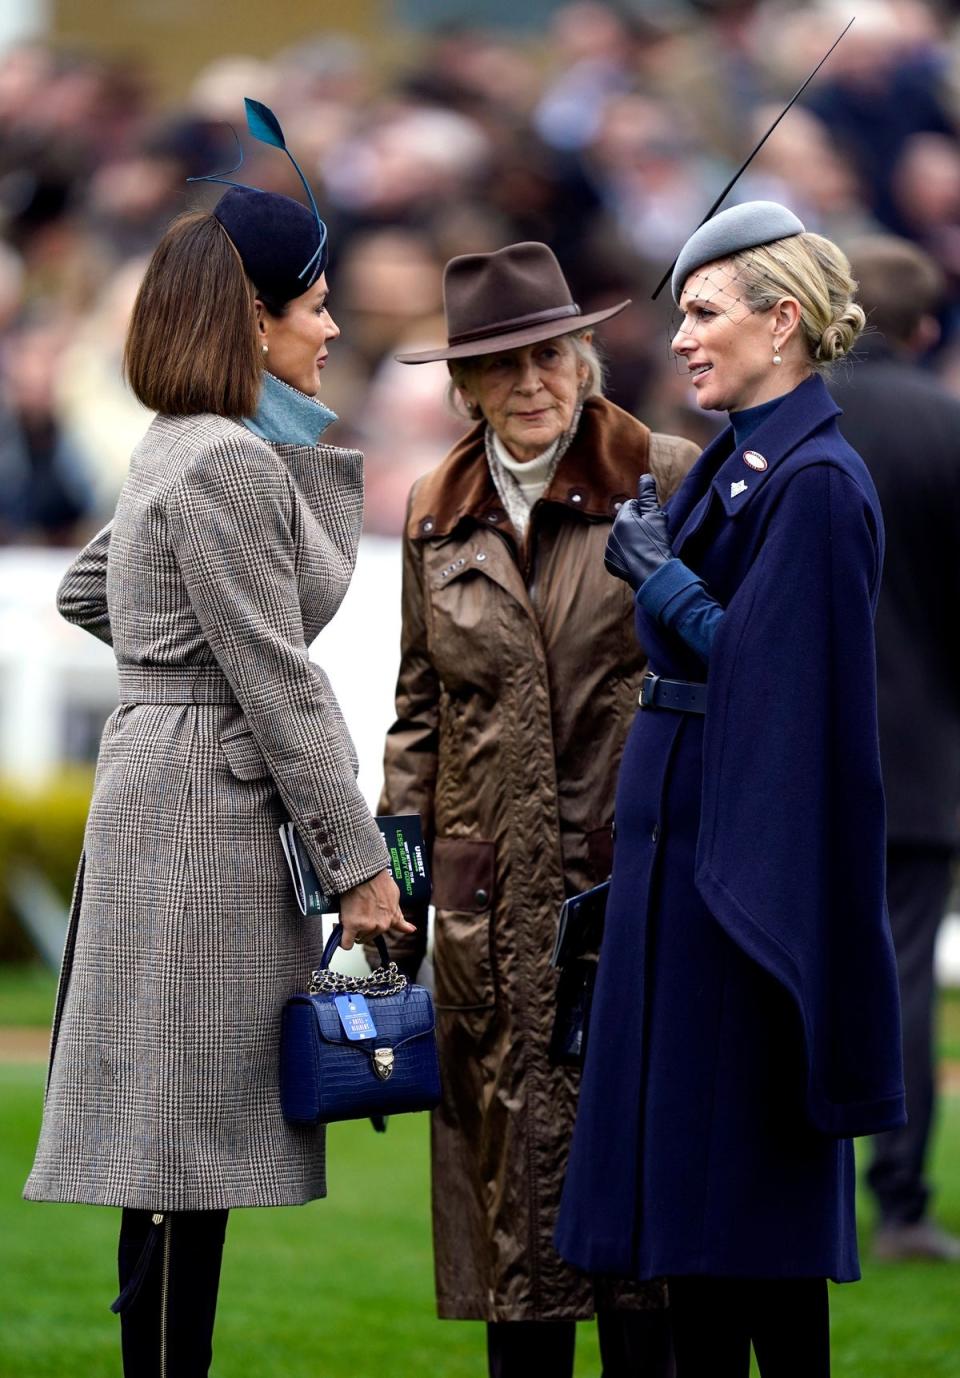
point(655, 835)
point(480, 557)
point(461, 561)
point(576, 496)
point(328, 852)
point(426, 526)
point(335, 864)
point(481, 897)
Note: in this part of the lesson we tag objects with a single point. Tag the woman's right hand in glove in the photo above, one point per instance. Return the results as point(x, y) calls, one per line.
point(639, 542)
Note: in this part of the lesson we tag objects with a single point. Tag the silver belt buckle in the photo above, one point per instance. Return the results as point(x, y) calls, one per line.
point(647, 687)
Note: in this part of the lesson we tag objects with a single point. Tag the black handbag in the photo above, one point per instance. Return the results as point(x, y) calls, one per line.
point(352, 1047)
point(579, 934)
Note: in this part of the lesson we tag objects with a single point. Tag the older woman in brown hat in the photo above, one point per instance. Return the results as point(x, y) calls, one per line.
point(518, 681)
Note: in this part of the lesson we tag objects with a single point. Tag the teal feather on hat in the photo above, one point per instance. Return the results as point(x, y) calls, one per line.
point(264, 125)
point(265, 227)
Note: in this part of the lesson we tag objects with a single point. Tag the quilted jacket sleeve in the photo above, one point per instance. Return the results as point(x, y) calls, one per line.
point(82, 595)
point(230, 518)
point(671, 459)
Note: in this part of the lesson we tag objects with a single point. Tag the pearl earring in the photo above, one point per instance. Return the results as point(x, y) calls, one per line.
point(777, 358)
point(265, 349)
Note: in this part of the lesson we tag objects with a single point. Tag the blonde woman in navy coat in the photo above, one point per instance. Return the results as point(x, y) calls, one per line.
point(745, 1025)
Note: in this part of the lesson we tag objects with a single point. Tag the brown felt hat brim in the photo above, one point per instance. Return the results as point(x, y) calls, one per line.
point(513, 339)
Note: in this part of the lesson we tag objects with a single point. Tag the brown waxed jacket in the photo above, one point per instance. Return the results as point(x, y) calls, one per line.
point(519, 678)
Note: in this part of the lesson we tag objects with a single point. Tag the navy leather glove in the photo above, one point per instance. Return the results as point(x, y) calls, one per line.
point(638, 543)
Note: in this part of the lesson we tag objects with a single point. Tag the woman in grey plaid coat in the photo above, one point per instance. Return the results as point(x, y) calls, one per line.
point(232, 546)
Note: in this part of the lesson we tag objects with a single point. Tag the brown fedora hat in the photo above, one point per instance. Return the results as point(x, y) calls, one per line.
point(516, 296)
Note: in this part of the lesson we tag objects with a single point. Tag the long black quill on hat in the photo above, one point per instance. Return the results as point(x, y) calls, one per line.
point(749, 159)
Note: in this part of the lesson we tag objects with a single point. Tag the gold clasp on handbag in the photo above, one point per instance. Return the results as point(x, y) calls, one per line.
point(383, 1062)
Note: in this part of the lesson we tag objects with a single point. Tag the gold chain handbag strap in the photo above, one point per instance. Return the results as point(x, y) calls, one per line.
point(385, 980)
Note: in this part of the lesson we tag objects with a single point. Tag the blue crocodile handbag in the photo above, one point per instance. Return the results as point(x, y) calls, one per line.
point(353, 1047)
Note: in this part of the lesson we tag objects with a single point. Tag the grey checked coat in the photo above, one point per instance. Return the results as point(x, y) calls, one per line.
point(226, 557)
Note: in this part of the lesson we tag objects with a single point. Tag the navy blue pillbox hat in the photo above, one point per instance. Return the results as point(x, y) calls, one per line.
point(282, 244)
point(274, 236)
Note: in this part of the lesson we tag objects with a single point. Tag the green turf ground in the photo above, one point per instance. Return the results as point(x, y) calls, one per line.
point(344, 1287)
point(26, 995)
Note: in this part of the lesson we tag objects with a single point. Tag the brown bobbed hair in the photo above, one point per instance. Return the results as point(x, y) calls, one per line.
point(192, 340)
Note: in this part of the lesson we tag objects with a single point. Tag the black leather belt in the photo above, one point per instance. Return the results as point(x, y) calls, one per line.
point(682, 695)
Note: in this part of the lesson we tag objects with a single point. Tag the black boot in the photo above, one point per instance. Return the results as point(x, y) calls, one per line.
point(169, 1265)
point(516, 1349)
point(635, 1344)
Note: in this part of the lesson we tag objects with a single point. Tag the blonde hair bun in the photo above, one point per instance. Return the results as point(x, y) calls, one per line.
point(841, 335)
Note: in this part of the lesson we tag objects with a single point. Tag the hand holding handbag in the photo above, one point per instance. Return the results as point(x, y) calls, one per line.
point(357, 1046)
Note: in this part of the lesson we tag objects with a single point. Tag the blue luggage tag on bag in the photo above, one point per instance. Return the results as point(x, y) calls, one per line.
point(356, 1019)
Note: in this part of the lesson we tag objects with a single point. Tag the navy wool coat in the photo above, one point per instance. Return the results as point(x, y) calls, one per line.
point(746, 1018)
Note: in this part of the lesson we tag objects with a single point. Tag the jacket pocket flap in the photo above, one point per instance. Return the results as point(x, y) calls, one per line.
point(244, 757)
point(600, 852)
point(464, 873)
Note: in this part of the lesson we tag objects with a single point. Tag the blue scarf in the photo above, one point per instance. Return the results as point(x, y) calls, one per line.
point(288, 416)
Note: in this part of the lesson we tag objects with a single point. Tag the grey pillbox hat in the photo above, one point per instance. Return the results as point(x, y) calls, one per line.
point(740, 227)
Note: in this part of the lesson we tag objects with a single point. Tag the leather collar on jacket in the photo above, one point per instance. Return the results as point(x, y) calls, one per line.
point(597, 473)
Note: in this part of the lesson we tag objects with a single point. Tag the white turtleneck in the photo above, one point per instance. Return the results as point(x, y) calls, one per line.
point(532, 475)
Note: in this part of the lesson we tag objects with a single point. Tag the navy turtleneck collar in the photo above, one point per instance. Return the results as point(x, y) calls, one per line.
point(745, 422)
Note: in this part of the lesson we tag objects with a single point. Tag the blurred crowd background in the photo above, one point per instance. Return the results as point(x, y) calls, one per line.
point(605, 130)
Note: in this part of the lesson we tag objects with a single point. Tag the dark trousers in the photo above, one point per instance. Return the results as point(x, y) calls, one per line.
point(715, 1320)
point(633, 1344)
point(169, 1269)
point(918, 885)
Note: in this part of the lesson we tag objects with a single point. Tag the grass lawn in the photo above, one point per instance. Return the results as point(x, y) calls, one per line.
point(344, 1286)
point(949, 1024)
point(27, 993)
point(340, 1287)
